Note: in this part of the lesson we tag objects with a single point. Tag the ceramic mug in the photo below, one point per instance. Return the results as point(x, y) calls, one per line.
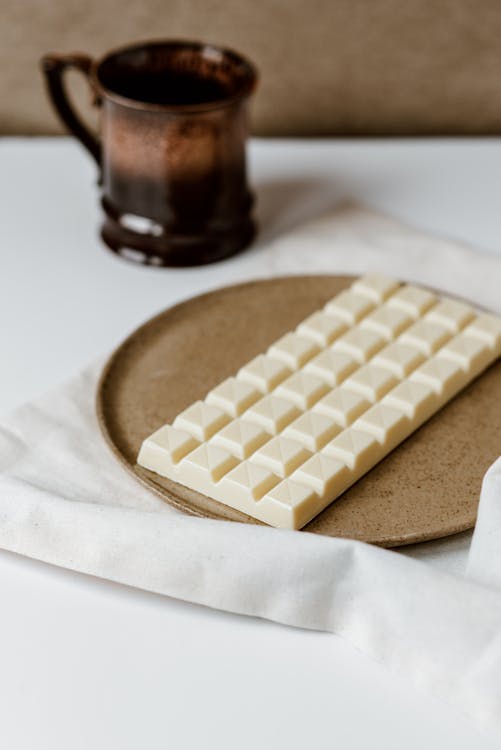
point(171, 148)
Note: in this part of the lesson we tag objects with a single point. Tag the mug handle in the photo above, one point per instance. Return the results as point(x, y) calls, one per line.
point(54, 67)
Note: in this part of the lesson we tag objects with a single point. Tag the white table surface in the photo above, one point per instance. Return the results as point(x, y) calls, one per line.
point(85, 663)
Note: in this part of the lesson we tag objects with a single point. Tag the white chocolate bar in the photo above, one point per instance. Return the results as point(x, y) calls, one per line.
point(301, 423)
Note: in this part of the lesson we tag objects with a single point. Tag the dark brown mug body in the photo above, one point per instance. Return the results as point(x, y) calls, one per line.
point(171, 148)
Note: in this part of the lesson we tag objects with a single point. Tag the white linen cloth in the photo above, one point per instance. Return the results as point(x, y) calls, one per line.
point(65, 499)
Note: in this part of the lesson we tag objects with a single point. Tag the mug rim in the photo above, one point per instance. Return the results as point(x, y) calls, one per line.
point(197, 45)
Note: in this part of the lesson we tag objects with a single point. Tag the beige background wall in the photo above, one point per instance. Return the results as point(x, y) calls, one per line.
point(327, 66)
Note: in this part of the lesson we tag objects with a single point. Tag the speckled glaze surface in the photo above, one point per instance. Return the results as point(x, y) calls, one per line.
point(425, 489)
point(171, 150)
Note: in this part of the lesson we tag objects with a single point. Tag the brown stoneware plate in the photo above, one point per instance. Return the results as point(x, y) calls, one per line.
point(425, 489)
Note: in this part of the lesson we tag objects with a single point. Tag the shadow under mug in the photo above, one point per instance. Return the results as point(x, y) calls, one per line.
point(171, 148)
